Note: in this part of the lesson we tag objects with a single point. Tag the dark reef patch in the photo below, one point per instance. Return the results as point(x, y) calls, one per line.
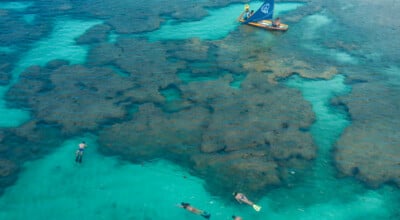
point(7, 61)
point(152, 134)
point(242, 138)
point(369, 148)
point(15, 31)
point(4, 78)
point(27, 142)
point(8, 170)
point(74, 97)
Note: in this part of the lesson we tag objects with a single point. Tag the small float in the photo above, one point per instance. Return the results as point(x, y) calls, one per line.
point(262, 18)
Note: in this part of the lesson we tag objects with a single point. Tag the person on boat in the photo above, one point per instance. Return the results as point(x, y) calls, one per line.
point(246, 14)
point(251, 13)
point(236, 217)
point(241, 198)
point(194, 210)
point(79, 152)
point(276, 22)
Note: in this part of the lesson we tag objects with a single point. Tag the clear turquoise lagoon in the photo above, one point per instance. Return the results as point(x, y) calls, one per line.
point(48, 184)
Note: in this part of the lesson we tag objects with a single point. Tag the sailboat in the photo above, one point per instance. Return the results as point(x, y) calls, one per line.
point(262, 18)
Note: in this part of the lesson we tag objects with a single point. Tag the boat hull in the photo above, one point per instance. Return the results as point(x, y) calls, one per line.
point(267, 24)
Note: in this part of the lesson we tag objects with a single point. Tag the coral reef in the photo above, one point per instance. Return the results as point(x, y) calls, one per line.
point(286, 67)
point(4, 78)
point(369, 147)
point(152, 133)
point(127, 16)
point(7, 167)
point(252, 135)
point(190, 50)
point(5, 68)
point(249, 126)
point(71, 96)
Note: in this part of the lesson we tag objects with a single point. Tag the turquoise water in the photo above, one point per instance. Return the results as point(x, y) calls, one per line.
point(101, 188)
point(18, 6)
point(6, 49)
point(42, 52)
point(29, 18)
point(108, 188)
point(51, 185)
point(59, 45)
point(208, 28)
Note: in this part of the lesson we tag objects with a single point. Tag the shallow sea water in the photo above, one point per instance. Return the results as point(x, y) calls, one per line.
point(104, 187)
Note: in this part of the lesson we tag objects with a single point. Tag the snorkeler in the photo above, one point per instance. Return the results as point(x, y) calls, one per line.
point(79, 152)
point(240, 197)
point(194, 210)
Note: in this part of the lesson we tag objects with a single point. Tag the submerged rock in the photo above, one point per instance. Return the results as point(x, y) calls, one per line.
point(225, 134)
point(287, 67)
point(1, 140)
point(7, 168)
point(4, 78)
point(6, 66)
point(369, 148)
point(134, 17)
point(153, 133)
point(249, 170)
point(74, 97)
point(22, 33)
point(191, 50)
point(244, 138)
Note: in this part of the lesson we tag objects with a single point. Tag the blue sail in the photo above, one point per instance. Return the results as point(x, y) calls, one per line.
point(265, 12)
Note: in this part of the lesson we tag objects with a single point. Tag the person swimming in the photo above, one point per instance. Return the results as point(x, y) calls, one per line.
point(194, 210)
point(241, 198)
point(79, 152)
